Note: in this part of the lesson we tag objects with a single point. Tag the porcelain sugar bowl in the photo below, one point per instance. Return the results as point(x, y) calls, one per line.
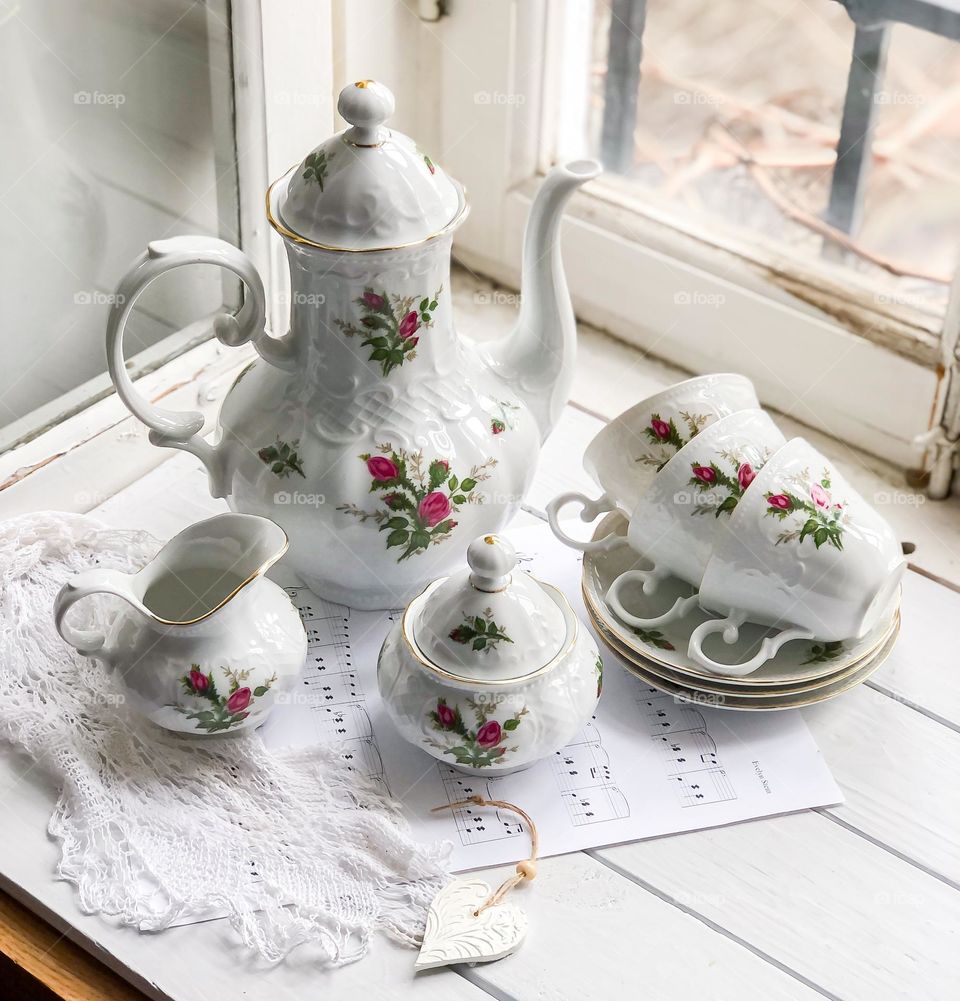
point(489, 670)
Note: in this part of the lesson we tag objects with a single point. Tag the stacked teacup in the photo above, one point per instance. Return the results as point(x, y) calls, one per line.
point(757, 531)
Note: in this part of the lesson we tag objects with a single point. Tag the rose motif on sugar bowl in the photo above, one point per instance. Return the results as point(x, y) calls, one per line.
point(489, 670)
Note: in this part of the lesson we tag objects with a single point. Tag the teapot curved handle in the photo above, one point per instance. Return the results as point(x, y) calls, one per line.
point(167, 427)
point(82, 586)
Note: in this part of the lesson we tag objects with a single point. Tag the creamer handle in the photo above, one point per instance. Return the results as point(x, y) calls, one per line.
point(82, 586)
point(167, 427)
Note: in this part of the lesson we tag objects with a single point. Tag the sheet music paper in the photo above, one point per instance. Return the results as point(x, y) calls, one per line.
point(645, 765)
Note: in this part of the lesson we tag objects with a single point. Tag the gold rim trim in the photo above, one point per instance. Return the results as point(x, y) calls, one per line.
point(676, 677)
point(259, 572)
point(598, 620)
point(687, 694)
point(573, 636)
point(289, 234)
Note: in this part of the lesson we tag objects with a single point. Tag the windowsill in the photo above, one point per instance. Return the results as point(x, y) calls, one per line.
point(613, 375)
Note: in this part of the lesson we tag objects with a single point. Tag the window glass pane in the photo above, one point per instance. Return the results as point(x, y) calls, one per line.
point(738, 112)
point(117, 121)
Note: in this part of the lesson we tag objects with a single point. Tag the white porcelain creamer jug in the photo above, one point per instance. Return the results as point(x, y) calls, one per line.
point(380, 440)
point(203, 642)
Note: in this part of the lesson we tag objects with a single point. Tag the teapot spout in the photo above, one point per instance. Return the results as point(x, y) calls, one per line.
point(537, 357)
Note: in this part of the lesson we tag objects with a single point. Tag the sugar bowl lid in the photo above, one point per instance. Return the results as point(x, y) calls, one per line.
point(492, 622)
point(366, 188)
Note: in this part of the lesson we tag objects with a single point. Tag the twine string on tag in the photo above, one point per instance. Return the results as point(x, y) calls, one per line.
point(527, 869)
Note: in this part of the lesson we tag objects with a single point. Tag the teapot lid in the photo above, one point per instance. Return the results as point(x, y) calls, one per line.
point(366, 188)
point(491, 622)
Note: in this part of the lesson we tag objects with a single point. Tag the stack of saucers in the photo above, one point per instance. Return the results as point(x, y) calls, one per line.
point(735, 568)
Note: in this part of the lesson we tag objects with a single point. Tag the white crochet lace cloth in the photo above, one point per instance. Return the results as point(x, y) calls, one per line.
point(155, 829)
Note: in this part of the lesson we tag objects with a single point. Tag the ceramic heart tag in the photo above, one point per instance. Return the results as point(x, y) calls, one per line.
point(455, 935)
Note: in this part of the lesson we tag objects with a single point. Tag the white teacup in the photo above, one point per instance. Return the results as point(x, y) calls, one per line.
point(626, 455)
point(803, 551)
point(695, 494)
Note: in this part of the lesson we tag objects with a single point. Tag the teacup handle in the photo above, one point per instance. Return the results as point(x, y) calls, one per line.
point(650, 580)
point(167, 427)
point(590, 509)
point(82, 586)
point(730, 627)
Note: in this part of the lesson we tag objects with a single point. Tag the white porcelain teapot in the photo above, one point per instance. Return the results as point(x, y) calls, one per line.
point(380, 440)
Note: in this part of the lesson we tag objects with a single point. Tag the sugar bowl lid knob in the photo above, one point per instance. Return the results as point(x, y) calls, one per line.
point(491, 560)
point(366, 105)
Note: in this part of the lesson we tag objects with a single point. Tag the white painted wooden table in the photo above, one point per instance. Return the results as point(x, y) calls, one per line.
point(860, 901)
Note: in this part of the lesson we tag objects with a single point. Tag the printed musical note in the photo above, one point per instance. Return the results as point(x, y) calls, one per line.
point(687, 749)
point(585, 778)
point(473, 825)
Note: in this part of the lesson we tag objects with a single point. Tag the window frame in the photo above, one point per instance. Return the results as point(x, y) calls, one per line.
point(817, 350)
point(275, 74)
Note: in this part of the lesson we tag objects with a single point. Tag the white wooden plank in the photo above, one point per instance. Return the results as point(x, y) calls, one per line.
point(896, 768)
point(595, 935)
point(843, 913)
point(922, 669)
point(191, 961)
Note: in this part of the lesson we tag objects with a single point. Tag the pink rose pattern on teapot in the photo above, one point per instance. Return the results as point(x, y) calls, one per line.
point(417, 502)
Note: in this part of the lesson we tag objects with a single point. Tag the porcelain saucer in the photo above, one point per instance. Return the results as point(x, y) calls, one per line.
point(722, 686)
point(772, 703)
point(801, 660)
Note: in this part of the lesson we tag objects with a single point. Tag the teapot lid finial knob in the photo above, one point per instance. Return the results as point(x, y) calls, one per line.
point(366, 105)
point(491, 559)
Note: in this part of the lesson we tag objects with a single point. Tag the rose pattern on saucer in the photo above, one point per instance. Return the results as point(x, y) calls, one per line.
point(652, 637)
point(480, 631)
point(417, 501)
point(226, 711)
point(720, 490)
point(599, 676)
point(668, 437)
point(823, 653)
point(479, 747)
point(391, 325)
point(816, 515)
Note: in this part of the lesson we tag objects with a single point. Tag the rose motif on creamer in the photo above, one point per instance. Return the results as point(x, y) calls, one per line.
point(220, 712)
point(391, 325)
point(418, 499)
